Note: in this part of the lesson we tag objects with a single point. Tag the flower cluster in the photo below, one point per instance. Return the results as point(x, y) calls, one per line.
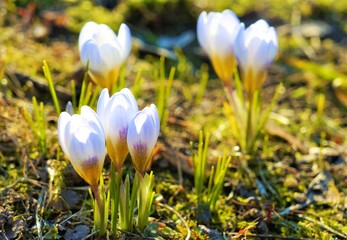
point(118, 127)
point(227, 42)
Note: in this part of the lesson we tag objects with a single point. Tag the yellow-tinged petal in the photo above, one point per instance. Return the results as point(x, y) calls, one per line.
point(253, 81)
point(105, 80)
point(224, 67)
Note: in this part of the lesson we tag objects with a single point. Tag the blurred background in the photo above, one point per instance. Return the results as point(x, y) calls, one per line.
point(306, 27)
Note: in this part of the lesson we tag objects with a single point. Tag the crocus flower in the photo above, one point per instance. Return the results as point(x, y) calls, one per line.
point(216, 34)
point(82, 139)
point(256, 49)
point(104, 51)
point(143, 133)
point(115, 113)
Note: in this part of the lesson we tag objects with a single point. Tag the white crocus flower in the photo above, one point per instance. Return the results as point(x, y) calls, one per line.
point(256, 49)
point(82, 139)
point(143, 133)
point(105, 51)
point(216, 34)
point(115, 113)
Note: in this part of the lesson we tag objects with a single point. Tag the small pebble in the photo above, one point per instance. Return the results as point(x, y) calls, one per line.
point(291, 182)
point(300, 197)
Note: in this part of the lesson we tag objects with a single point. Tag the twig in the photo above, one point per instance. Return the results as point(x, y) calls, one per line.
point(251, 175)
point(90, 235)
point(300, 206)
point(267, 184)
point(83, 188)
point(2, 231)
point(322, 225)
point(292, 208)
point(59, 225)
point(126, 233)
point(75, 214)
point(38, 209)
point(23, 180)
point(261, 187)
point(179, 216)
point(277, 131)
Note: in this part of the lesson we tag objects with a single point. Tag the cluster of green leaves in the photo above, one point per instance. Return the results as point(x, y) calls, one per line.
point(215, 185)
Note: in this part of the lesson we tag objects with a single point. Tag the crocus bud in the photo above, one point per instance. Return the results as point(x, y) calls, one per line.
point(115, 114)
point(69, 108)
point(82, 139)
point(104, 51)
point(256, 49)
point(216, 34)
point(143, 133)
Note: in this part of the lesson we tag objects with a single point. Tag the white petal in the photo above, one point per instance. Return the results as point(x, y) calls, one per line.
point(260, 25)
point(99, 45)
point(155, 115)
point(217, 32)
point(117, 124)
point(63, 130)
point(111, 54)
point(82, 140)
point(259, 55)
point(90, 52)
point(141, 131)
point(85, 145)
point(221, 41)
point(119, 113)
point(93, 120)
point(240, 50)
point(101, 105)
point(106, 34)
point(257, 46)
point(273, 43)
point(87, 32)
point(201, 31)
point(129, 95)
point(124, 40)
point(230, 22)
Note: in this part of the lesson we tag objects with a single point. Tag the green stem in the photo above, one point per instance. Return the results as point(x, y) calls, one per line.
point(249, 174)
point(249, 136)
point(127, 203)
point(100, 222)
point(48, 76)
point(115, 195)
point(145, 196)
